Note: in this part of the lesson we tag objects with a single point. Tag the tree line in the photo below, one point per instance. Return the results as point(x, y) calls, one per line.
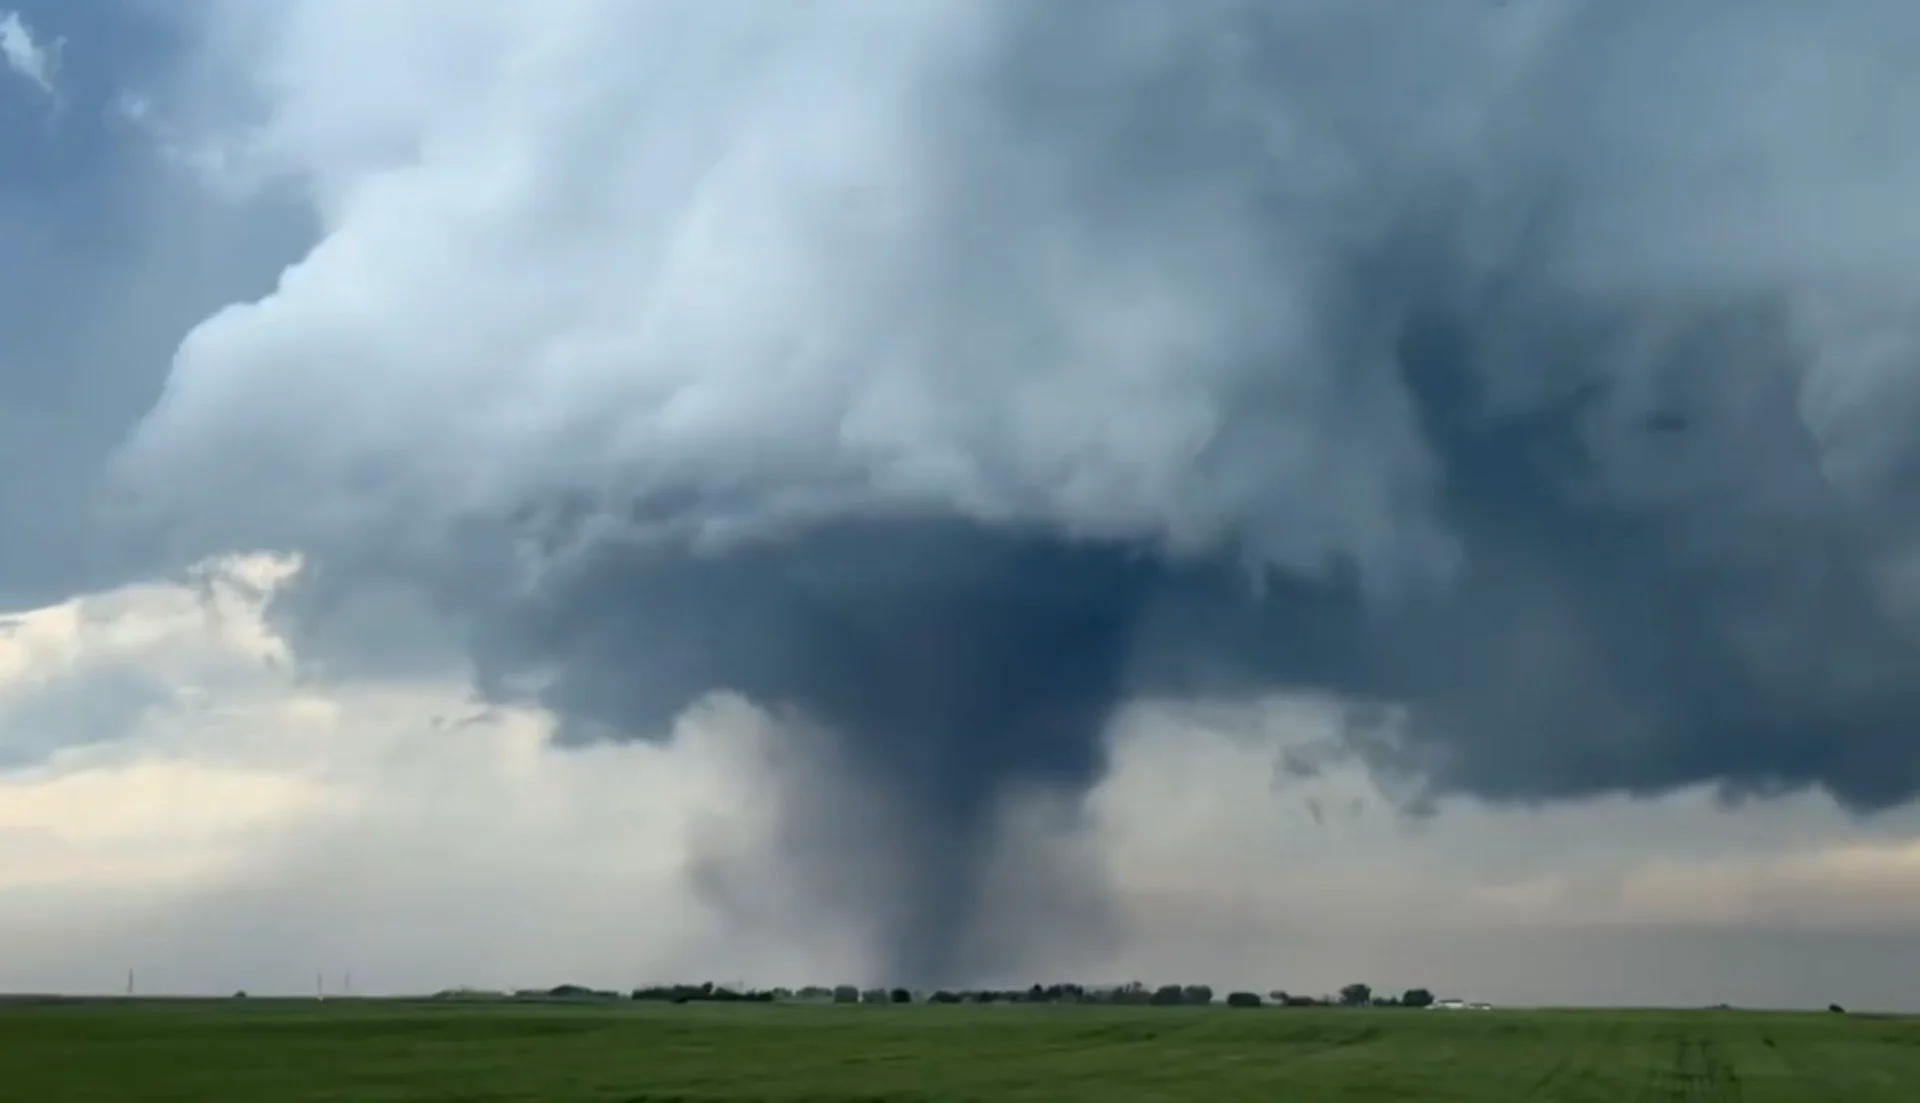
point(1136, 993)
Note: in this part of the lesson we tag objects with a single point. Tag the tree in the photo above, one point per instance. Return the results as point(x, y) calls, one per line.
point(1167, 995)
point(1356, 995)
point(1197, 994)
point(1416, 997)
point(900, 995)
point(1301, 1001)
point(846, 993)
point(1244, 999)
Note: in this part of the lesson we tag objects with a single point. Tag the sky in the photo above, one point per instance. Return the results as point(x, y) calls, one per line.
point(934, 491)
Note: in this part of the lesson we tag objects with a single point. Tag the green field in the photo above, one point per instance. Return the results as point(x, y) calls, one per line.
point(390, 1052)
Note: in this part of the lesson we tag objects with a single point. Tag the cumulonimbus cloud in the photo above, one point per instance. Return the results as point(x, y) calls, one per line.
point(952, 371)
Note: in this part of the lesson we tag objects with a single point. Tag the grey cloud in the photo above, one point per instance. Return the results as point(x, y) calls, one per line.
point(954, 373)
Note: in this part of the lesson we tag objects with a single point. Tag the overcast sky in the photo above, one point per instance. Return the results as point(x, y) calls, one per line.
point(212, 822)
point(256, 726)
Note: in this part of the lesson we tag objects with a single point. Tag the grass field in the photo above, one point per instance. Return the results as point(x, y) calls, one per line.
point(391, 1052)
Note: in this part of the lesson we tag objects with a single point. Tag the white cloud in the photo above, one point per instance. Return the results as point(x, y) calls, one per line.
point(28, 57)
point(543, 228)
point(252, 828)
point(716, 246)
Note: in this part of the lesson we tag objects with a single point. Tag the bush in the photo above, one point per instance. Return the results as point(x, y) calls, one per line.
point(1244, 999)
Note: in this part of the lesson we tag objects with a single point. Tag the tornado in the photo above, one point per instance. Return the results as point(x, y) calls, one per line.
point(953, 373)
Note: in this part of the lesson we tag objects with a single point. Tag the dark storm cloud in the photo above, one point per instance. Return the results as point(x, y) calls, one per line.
point(1589, 646)
point(1539, 373)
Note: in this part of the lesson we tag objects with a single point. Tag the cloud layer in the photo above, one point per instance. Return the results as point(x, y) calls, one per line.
point(259, 828)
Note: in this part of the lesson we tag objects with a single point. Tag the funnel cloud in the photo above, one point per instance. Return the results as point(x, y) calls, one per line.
point(1539, 375)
